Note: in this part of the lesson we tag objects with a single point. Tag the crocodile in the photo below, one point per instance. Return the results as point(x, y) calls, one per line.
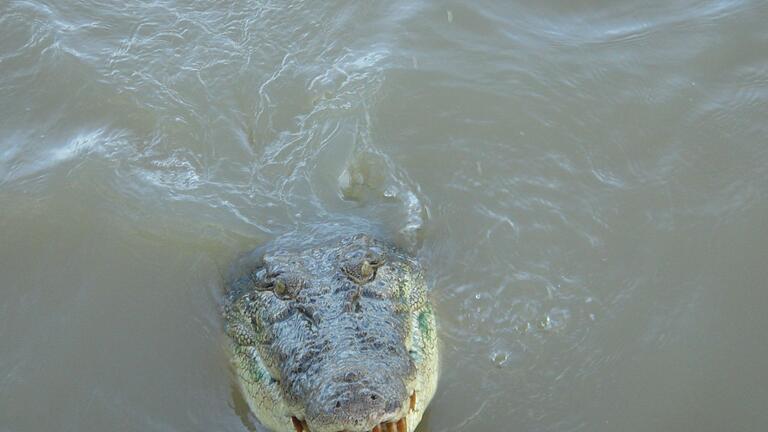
point(336, 337)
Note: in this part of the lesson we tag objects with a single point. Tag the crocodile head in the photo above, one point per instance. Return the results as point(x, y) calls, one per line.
point(334, 338)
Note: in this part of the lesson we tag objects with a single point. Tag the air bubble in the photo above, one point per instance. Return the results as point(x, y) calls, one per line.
point(500, 358)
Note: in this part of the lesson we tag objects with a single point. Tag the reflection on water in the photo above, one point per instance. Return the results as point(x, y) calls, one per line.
point(586, 183)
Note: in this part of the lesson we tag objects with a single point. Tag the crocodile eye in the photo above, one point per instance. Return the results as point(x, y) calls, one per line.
point(280, 288)
point(360, 265)
point(359, 272)
point(367, 269)
point(285, 286)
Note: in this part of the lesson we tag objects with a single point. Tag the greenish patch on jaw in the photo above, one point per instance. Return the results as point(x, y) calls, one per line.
point(425, 324)
point(253, 368)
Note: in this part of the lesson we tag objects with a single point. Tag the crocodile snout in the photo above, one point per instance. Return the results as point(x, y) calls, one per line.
point(356, 400)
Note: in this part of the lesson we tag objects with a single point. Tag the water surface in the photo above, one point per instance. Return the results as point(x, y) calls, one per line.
point(586, 182)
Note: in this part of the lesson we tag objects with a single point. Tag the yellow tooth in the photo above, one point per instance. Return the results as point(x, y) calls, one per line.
point(402, 426)
point(391, 427)
point(413, 401)
point(297, 424)
point(376, 429)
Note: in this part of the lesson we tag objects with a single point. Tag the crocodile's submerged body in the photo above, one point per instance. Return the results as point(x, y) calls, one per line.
point(334, 338)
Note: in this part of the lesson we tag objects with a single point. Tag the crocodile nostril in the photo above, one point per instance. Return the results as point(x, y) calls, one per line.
point(373, 397)
point(338, 404)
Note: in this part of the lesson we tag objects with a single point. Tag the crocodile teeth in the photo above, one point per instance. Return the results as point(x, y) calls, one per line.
point(393, 426)
point(413, 401)
point(402, 425)
point(297, 424)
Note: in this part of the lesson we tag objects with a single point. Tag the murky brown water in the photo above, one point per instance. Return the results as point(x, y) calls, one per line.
point(587, 183)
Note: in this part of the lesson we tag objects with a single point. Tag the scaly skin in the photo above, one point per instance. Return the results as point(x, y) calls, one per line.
point(334, 338)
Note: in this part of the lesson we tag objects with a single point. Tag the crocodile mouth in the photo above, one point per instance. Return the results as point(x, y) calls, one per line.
point(398, 425)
